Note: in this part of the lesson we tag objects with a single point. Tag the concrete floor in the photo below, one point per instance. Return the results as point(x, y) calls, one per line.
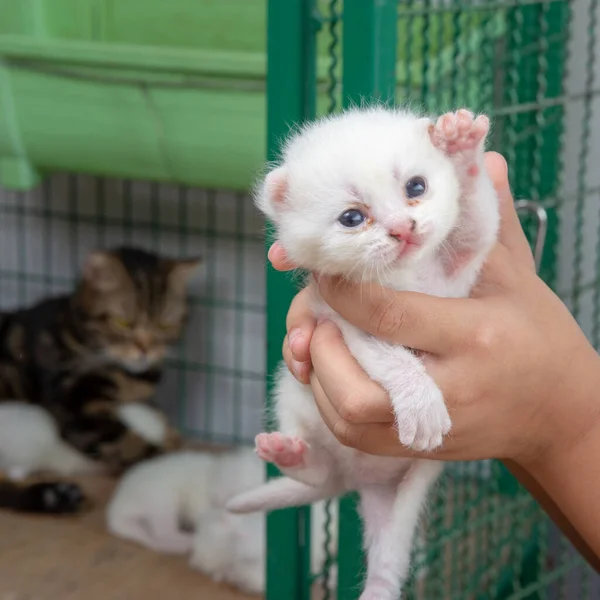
point(74, 558)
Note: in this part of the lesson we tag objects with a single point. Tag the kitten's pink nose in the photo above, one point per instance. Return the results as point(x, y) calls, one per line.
point(404, 230)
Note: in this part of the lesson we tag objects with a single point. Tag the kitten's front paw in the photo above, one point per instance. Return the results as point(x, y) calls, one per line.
point(282, 450)
point(459, 131)
point(422, 419)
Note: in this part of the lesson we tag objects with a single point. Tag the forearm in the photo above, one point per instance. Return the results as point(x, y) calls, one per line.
point(572, 484)
point(555, 513)
point(565, 480)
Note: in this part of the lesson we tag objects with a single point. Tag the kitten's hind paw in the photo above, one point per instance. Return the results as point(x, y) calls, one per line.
point(422, 422)
point(459, 131)
point(282, 450)
point(52, 498)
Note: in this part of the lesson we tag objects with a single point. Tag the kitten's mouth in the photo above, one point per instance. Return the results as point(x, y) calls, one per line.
point(407, 246)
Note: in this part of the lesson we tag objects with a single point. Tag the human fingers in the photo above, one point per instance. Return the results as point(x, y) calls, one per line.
point(380, 439)
point(353, 394)
point(300, 325)
point(420, 321)
point(358, 413)
point(279, 259)
point(511, 233)
point(300, 370)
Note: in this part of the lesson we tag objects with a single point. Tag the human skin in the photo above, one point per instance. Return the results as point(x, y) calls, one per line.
point(521, 381)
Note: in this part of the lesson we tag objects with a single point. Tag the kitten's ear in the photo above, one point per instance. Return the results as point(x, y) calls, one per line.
point(182, 269)
point(272, 193)
point(103, 271)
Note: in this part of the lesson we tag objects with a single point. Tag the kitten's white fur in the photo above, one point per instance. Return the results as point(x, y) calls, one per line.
point(157, 499)
point(148, 423)
point(30, 441)
point(363, 159)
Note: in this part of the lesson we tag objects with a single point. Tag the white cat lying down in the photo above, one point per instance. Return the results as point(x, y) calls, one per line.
point(160, 501)
point(30, 440)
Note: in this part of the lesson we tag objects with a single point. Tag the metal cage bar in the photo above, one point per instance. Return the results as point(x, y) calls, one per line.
point(291, 98)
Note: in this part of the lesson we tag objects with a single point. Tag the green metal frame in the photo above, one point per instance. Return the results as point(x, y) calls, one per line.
point(434, 54)
point(371, 30)
point(369, 75)
point(182, 102)
point(291, 98)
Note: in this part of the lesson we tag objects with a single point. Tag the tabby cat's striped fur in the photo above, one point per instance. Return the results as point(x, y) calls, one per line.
point(81, 356)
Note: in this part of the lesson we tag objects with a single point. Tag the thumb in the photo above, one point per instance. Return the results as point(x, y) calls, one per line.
point(511, 233)
point(411, 319)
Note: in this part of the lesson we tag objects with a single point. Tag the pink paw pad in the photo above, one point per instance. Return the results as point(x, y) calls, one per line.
point(281, 450)
point(459, 131)
point(473, 171)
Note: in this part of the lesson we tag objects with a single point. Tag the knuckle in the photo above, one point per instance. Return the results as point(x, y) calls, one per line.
point(352, 407)
point(387, 318)
point(318, 339)
point(322, 338)
point(299, 310)
point(487, 336)
point(345, 433)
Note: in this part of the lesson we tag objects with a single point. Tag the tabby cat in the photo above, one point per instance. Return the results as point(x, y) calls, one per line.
point(84, 355)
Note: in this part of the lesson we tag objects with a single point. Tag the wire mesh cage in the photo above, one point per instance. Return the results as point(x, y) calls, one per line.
point(214, 384)
point(532, 65)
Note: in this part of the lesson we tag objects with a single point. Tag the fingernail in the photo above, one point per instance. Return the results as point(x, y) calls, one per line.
point(297, 368)
point(294, 334)
point(270, 252)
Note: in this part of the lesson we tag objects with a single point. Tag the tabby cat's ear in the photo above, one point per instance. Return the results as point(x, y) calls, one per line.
point(182, 269)
point(103, 271)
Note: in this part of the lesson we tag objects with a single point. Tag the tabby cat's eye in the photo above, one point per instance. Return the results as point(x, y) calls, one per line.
point(121, 322)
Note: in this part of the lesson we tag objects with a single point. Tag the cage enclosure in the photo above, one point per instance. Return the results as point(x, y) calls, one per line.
point(533, 67)
point(131, 102)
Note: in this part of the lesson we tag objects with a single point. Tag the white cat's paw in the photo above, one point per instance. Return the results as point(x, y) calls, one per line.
point(459, 131)
point(422, 418)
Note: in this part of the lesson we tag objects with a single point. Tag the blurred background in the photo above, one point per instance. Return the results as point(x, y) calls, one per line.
point(147, 122)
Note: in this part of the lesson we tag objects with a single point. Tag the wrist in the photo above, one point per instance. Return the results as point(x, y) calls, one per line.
point(570, 421)
point(567, 473)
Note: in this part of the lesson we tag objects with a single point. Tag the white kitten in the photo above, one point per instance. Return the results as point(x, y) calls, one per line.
point(376, 195)
point(30, 441)
point(157, 500)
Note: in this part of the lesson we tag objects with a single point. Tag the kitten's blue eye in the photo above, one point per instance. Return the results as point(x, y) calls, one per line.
point(415, 187)
point(351, 218)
